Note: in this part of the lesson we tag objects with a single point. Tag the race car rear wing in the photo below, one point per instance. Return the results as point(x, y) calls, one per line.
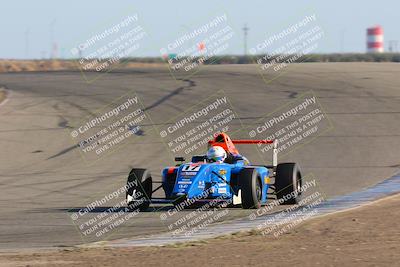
point(244, 141)
point(223, 140)
point(274, 150)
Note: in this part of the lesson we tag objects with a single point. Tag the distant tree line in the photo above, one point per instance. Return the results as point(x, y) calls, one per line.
point(336, 57)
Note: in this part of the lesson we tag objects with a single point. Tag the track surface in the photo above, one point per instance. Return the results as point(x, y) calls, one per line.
point(42, 176)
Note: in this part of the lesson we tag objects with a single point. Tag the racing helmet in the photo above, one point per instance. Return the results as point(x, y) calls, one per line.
point(216, 154)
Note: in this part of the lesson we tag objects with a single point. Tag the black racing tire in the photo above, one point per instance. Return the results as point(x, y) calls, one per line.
point(140, 183)
point(251, 188)
point(288, 183)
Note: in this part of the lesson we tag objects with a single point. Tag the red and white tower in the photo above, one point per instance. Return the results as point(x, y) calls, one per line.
point(375, 39)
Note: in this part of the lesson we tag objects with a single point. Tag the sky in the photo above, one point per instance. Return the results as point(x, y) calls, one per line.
point(30, 28)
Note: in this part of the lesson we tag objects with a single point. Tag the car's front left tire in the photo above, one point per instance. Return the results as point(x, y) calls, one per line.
point(251, 188)
point(139, 189)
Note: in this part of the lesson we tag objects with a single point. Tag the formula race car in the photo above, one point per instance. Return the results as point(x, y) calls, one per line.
point(220, 175)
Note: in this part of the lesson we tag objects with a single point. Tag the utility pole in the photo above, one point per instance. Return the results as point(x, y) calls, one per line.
point(393, 46)
point(245, 30)
point(342, 40)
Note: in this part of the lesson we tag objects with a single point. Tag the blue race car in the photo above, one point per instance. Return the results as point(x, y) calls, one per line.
point(221, 175)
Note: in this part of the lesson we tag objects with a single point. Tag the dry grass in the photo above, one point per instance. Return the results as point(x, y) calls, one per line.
point(35, 65)
point(56, 65)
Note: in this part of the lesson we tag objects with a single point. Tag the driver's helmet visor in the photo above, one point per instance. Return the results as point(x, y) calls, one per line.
point(216, 154)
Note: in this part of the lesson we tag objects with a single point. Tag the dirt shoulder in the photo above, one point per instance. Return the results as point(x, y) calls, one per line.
point(366, 236)
point(3, 95)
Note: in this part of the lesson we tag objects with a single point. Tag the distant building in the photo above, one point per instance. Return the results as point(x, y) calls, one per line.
point(375, 39)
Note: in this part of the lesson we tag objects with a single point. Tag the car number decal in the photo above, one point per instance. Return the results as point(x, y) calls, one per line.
point(192, 168)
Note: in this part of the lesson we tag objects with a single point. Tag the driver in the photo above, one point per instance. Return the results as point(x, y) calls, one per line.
point(216, 154)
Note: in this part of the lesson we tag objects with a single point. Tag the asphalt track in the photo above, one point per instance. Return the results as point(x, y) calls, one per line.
point(43, 179)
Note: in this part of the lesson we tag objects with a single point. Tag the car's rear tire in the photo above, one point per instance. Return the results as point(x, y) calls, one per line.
point(288, 183)
point(251, 188)
point(139, 187)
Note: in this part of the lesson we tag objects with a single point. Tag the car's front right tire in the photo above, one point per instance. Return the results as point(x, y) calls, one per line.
point(288, 183)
